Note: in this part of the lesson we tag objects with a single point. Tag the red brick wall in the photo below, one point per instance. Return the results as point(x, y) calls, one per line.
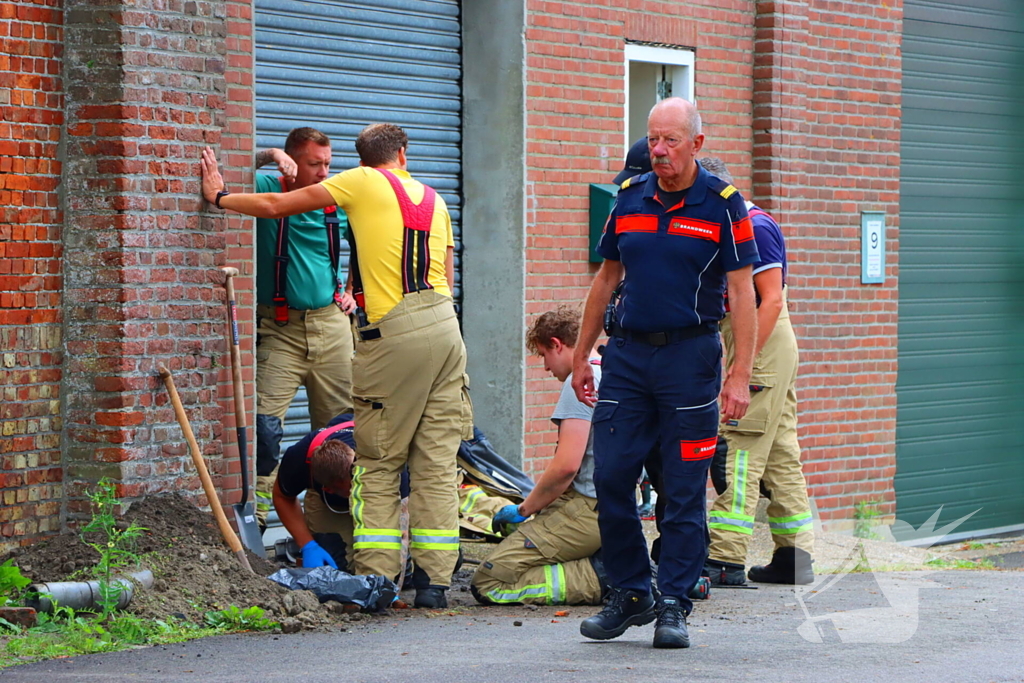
point(827, 126)
point(236, 150)
point(31, 106)
point(811, 133)
point(145, 92)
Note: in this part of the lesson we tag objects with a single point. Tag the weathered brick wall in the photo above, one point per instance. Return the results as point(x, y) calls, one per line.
point(575, 111)
point(31, 34)
point(145, 91)
point(236, 148)
point(827, 126)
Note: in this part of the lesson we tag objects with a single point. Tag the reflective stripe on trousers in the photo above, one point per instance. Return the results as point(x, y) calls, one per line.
point(553, 589)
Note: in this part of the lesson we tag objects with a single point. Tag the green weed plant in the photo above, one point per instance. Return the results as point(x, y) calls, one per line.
point(116, 547)
point(234, 619)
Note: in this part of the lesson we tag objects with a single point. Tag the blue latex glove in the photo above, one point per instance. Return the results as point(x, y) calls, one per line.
point(509, 515)
point(315, 556)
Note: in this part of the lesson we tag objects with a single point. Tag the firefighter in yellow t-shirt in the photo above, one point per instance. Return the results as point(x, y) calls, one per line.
point(409, 381)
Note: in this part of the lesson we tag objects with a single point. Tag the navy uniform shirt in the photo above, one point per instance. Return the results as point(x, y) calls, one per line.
point(771, 248)
point(676, 258)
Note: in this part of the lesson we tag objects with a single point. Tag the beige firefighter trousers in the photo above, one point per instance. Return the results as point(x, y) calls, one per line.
point(412, 407)
point(477, 507)
point(314, 349)
point(763, 446)
point(546, 561)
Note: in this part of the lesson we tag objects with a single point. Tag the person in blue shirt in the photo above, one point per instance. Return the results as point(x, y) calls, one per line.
point(762, 445)
point(676, 240)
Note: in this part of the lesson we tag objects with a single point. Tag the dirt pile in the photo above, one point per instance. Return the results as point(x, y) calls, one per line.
point(193, 569)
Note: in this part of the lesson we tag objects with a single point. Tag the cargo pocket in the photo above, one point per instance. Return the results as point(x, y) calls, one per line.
point(548, 533)
point(697, 429)
point(467, 409)
point(604, 411)
point(755, 422)
point(371, 432)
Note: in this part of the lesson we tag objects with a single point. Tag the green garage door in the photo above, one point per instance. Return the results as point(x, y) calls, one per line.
point(958, 435)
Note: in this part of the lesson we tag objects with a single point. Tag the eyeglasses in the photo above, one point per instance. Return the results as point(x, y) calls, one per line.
point(669, 142)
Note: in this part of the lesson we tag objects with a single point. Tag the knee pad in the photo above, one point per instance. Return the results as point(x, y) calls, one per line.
point(269, 432)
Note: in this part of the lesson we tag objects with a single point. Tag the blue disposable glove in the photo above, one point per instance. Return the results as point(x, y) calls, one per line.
point(315, 556)
point(509, 515)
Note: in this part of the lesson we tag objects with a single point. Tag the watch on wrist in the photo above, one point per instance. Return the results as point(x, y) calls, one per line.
point(220, 195)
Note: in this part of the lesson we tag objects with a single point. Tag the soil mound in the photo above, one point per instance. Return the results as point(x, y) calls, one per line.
point(193, 569)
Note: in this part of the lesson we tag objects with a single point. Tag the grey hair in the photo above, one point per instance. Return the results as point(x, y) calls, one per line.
point(716, 166)
point(692, 123)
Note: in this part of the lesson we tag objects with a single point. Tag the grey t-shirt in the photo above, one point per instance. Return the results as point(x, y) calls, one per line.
point(569, 407)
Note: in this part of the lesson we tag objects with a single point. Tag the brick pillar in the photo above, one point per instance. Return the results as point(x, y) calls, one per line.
point(826, 147)
point(145, 91)
point(31, 111)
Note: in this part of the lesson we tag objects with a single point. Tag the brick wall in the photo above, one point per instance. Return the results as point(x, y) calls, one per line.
point(145, 91)
point(827, 119)
point(31, 35)
point(801, 99)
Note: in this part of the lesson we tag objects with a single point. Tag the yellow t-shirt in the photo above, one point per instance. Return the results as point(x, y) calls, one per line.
point(376, 223)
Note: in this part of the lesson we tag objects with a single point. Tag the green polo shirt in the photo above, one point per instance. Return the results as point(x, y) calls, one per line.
point(311, 284)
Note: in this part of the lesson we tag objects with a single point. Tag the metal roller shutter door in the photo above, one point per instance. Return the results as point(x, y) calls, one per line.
point(958, 436)
point(339, 66)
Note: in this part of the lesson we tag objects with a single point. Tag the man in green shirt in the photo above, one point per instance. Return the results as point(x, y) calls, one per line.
point(303, 335)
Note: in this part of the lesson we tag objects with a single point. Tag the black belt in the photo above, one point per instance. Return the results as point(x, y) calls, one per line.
point(667, 337)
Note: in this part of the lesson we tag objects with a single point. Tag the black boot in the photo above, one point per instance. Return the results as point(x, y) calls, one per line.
point(624, 609)
point(788, 565)
point(724, 573)
point(431, 597)
point(670, 631)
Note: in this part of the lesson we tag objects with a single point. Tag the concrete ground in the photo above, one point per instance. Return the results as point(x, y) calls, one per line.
point(961, 626)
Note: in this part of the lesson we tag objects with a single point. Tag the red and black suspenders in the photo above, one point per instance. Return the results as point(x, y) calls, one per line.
point(281, 258)
point(417, 219)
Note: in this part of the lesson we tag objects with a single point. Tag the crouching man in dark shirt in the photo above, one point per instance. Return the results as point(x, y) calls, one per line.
point(321, 461)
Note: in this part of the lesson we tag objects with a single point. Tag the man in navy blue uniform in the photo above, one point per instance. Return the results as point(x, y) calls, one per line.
point(676, 240)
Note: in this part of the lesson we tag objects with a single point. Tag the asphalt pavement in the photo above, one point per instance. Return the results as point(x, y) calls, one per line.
point(961, 626)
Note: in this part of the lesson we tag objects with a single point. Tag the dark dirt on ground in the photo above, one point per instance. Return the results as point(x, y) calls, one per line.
point(194, 570)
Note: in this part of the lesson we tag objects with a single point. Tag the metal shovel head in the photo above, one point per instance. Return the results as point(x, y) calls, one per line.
point(249, 528)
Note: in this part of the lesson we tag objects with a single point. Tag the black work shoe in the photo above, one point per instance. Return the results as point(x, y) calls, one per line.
point(788, 565)
point(670, 631)
point(624, 609)
point(725, 573)
point(431, 597)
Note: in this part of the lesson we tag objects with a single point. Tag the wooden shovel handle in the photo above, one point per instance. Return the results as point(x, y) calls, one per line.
point(204, 476)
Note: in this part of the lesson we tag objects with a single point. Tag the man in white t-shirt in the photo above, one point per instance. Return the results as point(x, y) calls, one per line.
point(553, 558)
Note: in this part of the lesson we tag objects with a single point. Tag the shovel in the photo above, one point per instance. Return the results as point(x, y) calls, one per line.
point(245, 511)
point(226, 532)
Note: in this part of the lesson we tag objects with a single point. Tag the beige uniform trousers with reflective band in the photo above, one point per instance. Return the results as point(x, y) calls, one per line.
point(320, 519)
point(477, 507)
point(763, 446)
point(314, 349)
point(411, 406)
point(546, 561)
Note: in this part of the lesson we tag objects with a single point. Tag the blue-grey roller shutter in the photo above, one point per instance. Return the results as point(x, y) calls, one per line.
point(958, 437)
point(339, 66)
